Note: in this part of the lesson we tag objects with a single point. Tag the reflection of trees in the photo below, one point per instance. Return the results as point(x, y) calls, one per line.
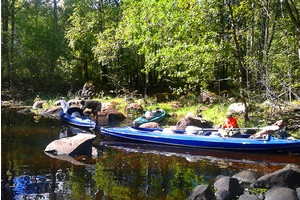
point(122, 175)
point(80, 183)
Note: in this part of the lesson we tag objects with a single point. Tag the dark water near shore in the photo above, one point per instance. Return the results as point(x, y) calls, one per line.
point(122, 170)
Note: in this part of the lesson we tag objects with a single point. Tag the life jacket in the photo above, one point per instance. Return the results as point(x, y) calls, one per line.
point(231, 123)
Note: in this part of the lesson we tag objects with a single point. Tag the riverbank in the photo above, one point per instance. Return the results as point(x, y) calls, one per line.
point(259, 114)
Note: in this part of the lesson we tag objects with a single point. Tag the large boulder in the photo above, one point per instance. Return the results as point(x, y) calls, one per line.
point(286, 177)
point(208, 97)
point(281, 185)
point(80, 144)
point(197, 121)
point(230, 184)
point(237, 108)
point(38, 104)
point(52, 112)
point(202, 192)
point(150, 125)
point(108, 105)
point(298, 192)
point(110, 115)
point(248, 197)
point(115, 117)
point(134, 108)
point(281, 193)
point(223, 194)
point(246, 177)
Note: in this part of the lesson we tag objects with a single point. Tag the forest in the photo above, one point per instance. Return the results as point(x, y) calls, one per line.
point(243, 48)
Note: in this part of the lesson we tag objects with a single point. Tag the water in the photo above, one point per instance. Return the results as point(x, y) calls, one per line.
point(122, 170)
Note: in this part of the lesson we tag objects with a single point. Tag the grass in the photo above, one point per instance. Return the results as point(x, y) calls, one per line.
point(213, 113)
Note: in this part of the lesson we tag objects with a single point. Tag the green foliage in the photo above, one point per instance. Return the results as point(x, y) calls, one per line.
point(153, 46)
point(258, 190)
point(106, 182)
point(216, 114)
point(146, 176)
point(171, 38)
point(77, 184)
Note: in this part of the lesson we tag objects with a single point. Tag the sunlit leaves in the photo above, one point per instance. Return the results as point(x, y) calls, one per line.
point(176, 38)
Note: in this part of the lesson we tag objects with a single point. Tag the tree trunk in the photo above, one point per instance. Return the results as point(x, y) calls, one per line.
point(4, 47)
point(54, 39)
point(294, 15)
point(12, 41)
point(240, 59)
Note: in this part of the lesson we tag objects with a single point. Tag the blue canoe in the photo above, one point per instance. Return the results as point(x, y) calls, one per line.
point(75, 116)
point(201, 141)
point(158, 116)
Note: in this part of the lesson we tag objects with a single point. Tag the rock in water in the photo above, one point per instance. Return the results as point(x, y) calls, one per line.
point(81, 144)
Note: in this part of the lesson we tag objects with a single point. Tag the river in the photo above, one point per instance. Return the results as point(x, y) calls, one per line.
point(122, 170)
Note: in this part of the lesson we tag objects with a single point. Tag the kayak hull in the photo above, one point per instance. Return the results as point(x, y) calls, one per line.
point(201, 141)
point(80, 120)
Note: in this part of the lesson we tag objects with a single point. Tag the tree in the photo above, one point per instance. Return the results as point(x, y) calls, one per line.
point(175, 40)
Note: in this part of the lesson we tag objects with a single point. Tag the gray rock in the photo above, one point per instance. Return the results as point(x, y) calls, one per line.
point(246, 177)
point(133, 108)
point(38, 104)
point(219, 176)
point(202, 192)
point(248, 197)
point(298, 192)
point(238, 108)
point(150, 125)
point(80, 144)
point(286, 177)
point(230, 184)
point(223, 194)
point(281, 193)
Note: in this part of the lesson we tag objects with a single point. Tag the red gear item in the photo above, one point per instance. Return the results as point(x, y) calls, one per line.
point(231, 122)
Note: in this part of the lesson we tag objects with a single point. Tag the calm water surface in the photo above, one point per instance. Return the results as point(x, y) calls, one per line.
point(122, 170)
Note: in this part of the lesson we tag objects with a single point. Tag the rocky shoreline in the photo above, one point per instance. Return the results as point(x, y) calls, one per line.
point(283, 184)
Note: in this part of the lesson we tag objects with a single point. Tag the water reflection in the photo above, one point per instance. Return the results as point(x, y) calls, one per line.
point(78, 160)
point(29, 187)
point(71, 184)
point(68, 130)
point(260, 162)
point(122, 170)
point(132, 175)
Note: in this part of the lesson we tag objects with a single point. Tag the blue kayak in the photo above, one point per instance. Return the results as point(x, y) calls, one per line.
point(213, 141)
point(75, 116)
point(157, 116)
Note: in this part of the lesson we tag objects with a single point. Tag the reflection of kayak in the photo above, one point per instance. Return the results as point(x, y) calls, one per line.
point(25, 185)
point(260, 161)
point(156, 116)
point(214, 141)
point(76, 117)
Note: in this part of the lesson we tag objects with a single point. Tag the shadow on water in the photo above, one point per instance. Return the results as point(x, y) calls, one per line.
point(122, 169)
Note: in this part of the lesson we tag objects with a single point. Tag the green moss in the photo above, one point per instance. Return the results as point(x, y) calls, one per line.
point(258, 190)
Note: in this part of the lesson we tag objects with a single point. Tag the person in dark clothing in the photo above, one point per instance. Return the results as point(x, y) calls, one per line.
point(94, 105)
